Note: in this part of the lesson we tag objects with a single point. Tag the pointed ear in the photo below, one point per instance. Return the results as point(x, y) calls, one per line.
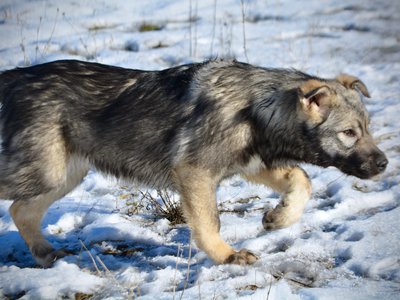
point(352, 82)
point(315, 100)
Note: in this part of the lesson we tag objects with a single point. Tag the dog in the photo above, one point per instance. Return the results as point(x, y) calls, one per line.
point(185, 128)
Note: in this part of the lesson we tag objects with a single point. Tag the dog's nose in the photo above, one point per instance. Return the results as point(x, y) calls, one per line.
point(381, 163)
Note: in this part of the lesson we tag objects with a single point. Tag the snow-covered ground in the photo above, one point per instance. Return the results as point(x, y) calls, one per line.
point(347, 245)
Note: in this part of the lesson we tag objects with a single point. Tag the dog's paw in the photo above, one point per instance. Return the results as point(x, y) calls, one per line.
point(45, 255)
point(243, 257)
point(50, 258)
point(278, 218)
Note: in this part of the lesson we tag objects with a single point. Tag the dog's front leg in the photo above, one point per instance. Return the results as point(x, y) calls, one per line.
point(197, 188)
point(295, 187)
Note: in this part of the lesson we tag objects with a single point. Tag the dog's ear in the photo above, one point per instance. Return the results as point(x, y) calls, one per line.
point(352, 82)
point(315, 100)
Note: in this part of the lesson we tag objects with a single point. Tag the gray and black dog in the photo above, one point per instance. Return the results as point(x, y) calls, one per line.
point(184, 128)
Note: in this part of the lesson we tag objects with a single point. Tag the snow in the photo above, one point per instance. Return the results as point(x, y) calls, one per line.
point(49, 286)
point(347, 244)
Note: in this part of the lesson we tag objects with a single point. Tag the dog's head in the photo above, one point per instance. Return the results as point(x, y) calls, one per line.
point(333, 110)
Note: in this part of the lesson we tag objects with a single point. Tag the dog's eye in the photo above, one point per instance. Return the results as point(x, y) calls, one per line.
point(350, 133)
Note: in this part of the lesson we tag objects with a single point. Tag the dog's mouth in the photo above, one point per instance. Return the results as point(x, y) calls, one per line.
point(359, 173)
point(363, 168)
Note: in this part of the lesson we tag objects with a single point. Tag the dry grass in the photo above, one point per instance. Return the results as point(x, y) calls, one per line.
point(164, 206)
point(150, 27)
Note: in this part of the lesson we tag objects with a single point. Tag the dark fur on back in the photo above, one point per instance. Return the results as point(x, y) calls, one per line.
point(144, 117)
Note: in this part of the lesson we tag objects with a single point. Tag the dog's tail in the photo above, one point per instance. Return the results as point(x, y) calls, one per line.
point(2, 84)
point(2, 96)
point(6, 78)
point(1, 107)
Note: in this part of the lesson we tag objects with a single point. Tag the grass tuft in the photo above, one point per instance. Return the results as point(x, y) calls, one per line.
point(164, 206)
point(150, 27)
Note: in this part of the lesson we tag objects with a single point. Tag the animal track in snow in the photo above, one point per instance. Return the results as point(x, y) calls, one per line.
point(283, 245)
point(342, 256)
point(355, 237)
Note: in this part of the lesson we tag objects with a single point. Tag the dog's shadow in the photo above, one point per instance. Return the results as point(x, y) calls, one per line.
point(144, 255)
point(14, 251)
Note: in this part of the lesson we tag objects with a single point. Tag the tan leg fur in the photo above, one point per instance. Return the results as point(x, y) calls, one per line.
point(197, 189)
point(295, 187)
point(28, 214)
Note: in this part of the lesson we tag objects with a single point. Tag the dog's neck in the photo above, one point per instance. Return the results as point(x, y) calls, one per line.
point(283, 136)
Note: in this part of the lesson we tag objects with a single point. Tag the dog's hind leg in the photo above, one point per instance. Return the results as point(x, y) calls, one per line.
point(197, 188)
point(295, 187)
point(36, 173)
point(27, 216)
point(28, 213)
